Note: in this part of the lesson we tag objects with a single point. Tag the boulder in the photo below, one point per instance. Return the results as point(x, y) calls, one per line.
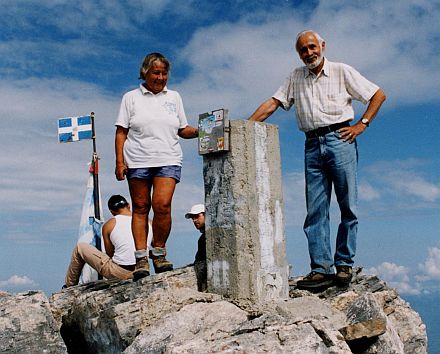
point(27, 325)
point(165, 313)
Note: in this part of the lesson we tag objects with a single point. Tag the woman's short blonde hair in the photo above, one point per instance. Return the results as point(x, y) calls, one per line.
point(148, 64)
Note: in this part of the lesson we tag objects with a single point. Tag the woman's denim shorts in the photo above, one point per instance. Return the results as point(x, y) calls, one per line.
point(148, 173)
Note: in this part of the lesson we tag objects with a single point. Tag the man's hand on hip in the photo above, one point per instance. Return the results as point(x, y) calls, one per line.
point(351, 133)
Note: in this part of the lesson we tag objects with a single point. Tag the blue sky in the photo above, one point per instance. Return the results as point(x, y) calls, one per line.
point(63, 58)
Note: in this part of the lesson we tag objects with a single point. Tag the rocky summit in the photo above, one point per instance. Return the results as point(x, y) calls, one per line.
point(166, 314)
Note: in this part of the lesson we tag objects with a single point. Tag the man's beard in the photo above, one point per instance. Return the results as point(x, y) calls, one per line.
point(315, 63)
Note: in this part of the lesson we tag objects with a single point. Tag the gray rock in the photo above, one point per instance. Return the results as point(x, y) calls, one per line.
point(27, 325)
point(408, 325)
point(366, 319)
point(192, 327)
point(166, 314)
point(309, 308)
point(106, 316)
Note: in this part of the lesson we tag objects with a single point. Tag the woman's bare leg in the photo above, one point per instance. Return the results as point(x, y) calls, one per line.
point(163, 190)
point(141, 204)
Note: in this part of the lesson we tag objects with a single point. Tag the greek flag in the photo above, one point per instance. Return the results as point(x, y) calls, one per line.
point(74, 129)
point(89, 229)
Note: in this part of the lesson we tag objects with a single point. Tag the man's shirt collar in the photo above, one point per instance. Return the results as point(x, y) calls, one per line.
point(324, 70)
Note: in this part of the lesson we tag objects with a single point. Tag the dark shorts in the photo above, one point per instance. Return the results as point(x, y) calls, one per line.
point(149, 173)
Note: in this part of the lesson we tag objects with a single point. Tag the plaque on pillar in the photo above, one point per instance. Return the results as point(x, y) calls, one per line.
point(213, 132)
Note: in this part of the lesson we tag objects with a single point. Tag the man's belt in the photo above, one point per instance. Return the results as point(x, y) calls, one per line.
point(128, 267)
point(321, 131)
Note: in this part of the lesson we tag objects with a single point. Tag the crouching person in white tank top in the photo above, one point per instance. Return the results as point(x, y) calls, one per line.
point(119, 260)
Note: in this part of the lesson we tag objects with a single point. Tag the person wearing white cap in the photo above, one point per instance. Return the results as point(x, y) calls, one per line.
point(197, 215)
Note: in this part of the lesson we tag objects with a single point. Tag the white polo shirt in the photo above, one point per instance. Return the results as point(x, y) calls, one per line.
point(324, 99)
point(153, 121)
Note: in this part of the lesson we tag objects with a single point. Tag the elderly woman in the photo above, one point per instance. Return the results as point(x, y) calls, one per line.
point(150, 121)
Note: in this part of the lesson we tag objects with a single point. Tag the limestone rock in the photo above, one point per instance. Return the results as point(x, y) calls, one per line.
point(364, 329)
point(310, 308)
point(366, 319)
point(115, 312)
point(166, 314)
point(27, 325)
point(194, 326)
point(409, 326)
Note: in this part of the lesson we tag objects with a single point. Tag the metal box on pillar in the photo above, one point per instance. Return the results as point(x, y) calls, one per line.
point(245, 243)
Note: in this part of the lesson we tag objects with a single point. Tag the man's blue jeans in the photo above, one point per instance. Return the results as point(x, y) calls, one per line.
point(330, 161)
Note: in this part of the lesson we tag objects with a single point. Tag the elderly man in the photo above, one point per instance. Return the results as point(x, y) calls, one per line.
point(322, 92)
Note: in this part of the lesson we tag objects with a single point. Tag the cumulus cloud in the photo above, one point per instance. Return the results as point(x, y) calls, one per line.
point(29, 137)
point(83, 58)
point(57, 173)
point(412, 184)
point(406, 178)
point(431, 268)
point(425, 281)
point(65, 16)
point(17, 282)
point(241, 63)
point(396, 276)
point(367, 192)
point(242, 58)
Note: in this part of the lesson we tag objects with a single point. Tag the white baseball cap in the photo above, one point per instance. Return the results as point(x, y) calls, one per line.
point(195, 210)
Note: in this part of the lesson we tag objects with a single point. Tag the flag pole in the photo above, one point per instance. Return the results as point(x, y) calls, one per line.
point(95, 170)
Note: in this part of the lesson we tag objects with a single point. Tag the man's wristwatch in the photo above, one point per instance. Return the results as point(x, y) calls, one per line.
point(365, 121)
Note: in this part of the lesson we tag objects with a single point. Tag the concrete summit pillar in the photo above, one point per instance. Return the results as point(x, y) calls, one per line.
point(246, 253)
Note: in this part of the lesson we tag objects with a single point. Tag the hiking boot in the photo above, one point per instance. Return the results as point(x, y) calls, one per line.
point(142, 268)
point(161, 264)
point(315, 281)
point(343, 275)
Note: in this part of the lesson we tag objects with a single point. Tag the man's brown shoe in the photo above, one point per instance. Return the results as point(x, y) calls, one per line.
point(142, 268)
point(315, 281)
point(344, 274)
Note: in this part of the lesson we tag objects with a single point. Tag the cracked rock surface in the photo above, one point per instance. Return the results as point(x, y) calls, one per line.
point(166, 314)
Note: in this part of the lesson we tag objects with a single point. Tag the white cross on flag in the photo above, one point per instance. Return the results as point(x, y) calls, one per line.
point(74, 129)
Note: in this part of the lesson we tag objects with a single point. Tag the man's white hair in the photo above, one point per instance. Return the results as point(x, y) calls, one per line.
point(318, 37)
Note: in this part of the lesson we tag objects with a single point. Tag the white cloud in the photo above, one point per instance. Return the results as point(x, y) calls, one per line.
point(406, 179)
point(17, 281)
point(233, 65)
point(410, 183)
point(396, 276)
point(83, 15)
point(237, 65)
point(368, 192)
point(390, 271)
point(424, 282)
point(388, 57)
point(39, 173)
point(431, 268)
